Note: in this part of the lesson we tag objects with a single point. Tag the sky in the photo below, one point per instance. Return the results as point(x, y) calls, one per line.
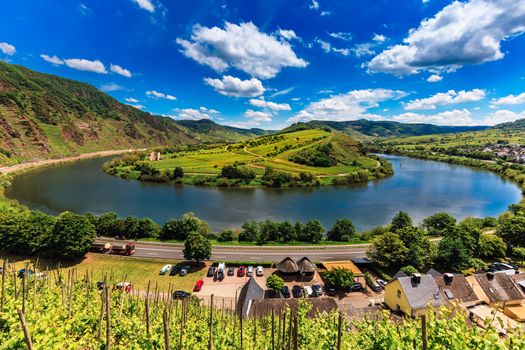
point(268, 64)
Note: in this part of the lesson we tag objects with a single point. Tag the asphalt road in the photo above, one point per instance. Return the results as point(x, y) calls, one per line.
point(321, 253)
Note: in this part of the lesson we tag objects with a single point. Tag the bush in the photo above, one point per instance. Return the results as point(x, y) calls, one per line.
point(237, 172)
point(275, 283)
point(339, 277)
point(226, 236)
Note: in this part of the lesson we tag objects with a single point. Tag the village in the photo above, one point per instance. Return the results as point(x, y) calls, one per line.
point(510, 152)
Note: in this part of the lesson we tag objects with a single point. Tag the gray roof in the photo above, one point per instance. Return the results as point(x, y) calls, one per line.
point(500, 287)
point(249, 292)
point(422, 294)
point(398, 275)
point(434, 273)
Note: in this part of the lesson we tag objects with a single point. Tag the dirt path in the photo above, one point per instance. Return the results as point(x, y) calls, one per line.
point(39, 163)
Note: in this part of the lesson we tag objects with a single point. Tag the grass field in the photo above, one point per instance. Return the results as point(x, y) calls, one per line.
point(138, 271)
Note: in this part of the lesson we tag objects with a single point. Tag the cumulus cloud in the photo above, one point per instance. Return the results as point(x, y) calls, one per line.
point(380, 38)
point(159, 95)
point(131, 100)
point(327, 47)
point(349, 106)
point(509, 100)
point(257, 116)
point(7, 49)
point(288, 34)
point(461, 33)
point(52, 59)
point(459, 117)
point(434, 78)
point(345, 36)
point(232, 86)
point(446, 98)
point(196, 114)
point(145, 5)
point(262, 103)
point(86, 65)
point(240, 46)
point(111, 87)
point(119, 70)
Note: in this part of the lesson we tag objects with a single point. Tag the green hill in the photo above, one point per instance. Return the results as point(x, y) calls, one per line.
point(211, 131)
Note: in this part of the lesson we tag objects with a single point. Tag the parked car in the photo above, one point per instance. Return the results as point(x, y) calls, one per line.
point(249, 271)
point(198, 285)
point(356, 287)
point(329, 289)
point(231, 271)
point(124, 286)
point(220, 271)
point(503, 267)
point(285, 292)
point(376, 287)
point(211, 271)
point(381, 282)
point(318, 290)
point(241, 271)
point(259, 271)
point(308, 291)
point(180, 294)
point(297, 291)
point(23, 272)
point(175, 270)
point(165, 269)
point(100, 285)
point(184, 270)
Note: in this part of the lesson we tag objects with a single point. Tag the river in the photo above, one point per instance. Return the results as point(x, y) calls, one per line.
point(419, 187)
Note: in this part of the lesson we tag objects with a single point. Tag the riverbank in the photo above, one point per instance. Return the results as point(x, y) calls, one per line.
point(18, 168)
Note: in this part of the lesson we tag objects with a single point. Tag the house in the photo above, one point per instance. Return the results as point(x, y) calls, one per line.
point(485, 316)
point(412, 295)
point(154, 156)
point(287, 266)
point(249, 292)
point(264, 307)
point(306, 267)
point(455, 289)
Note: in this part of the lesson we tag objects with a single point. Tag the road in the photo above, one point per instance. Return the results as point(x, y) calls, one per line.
point(318, 253)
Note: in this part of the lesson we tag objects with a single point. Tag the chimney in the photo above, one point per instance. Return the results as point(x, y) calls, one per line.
point(448, 277)
point(416, 278)
point(490, 275)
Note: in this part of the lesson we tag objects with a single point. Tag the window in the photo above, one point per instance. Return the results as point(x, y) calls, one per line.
point(398, 294)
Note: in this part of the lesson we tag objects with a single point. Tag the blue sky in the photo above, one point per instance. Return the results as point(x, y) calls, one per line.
point(270, 63)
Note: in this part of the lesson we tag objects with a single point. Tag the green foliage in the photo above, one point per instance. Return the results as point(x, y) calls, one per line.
point(339, 277)
point(197, 247)
point(409, 270)
point(452, 254)
point(182, 228)
point(421, 251)
point(237, 172)
point(71, 237)
point(388, 250)
point(178, 172)
point(439, 224)
point(275, 283)
point(108, 225)
point(491, 246)
point(136, 228)
point(512, 230)
point(319, 156)
point(343, 230)
point(250, 232)
point(274, 178)
point(226, 236)
point(519, 253)
point(400, 220)
point(311, 232)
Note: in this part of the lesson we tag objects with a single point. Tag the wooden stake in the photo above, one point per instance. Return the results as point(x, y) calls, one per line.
point(339, 330)
point(273, 330)
point(424, 331)
point(210, 341)
point(240, 327)
point(296, 332)
point(27, 336)
point(4, 268)
point(108, 318)
point(147, 308)
point(166, 330)
point(290, 328)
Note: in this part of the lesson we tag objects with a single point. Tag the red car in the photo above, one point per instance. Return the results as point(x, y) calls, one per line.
point(198, 286)
point(241, 271)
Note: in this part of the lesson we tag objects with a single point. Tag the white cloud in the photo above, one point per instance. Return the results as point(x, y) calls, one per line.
point(327, 47)
point(364, 49)
point(257, 116)
point(459, 117)
point(282, 92)
point(461, 33)
point(380, 38)
point(119, 70)
point(193, 114)
point(288, 34)
point(345, 36)
point(156, 95)
point(314, 5)
point(349, 106)
point(445, 98)
point(241, 46)
point(137, 106)
point(7, 49)
point(111, 87)
point(503, 116)
point(325, 13)
point(262, 103)
point(434, 78)
point(86, 65)
point(131, 100)
point(52, 59)
point(509, 100)
point(145, 5)
point(232, 86)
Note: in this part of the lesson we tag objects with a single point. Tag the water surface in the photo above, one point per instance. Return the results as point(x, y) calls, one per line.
point(420, 187)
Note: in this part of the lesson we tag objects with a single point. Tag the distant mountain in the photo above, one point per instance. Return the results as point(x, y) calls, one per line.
point(209, 130)
point(364, 129)
point(518, 125)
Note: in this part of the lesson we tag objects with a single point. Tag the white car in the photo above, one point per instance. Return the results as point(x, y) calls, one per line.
point(249, 271)
point(308, 291)
point(259, 271)
point(165, 269)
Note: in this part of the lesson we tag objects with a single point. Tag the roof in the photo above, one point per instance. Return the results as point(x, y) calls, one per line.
point(500, 287)
point(423, 294)
point(249, 292)
point(516, 312)
point(346, 264)
point(519, 279)
point(263, 307)
point(458, 289)
point(398, 275)
point(287, 265)
point(488, 316)
point(434, 273)
point(306, 266)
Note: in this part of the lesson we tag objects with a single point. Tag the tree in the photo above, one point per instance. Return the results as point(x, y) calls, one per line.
point(275, 283)
point(108, 225)
point(339, 277)
point(137, 228)
point(452, 254)
point(388, 250)
point(409, 270)
point(313, 231)
point(180, 229)
point(72, 236)
point(440, 224)
point(519, 253)
point(469, 232)
point(343, 230)
point(269, 231)
point(226, 236)
point(34, 232)
point(402, 219)
point(491, 246)
point(197, 247)
point(250, 232)
point(178, 173)
point(512, 230)
point(287, 232)
point(421, 251)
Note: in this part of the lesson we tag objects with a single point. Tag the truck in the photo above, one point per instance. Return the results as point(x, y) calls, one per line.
point(127, 248)
point(100, 247)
